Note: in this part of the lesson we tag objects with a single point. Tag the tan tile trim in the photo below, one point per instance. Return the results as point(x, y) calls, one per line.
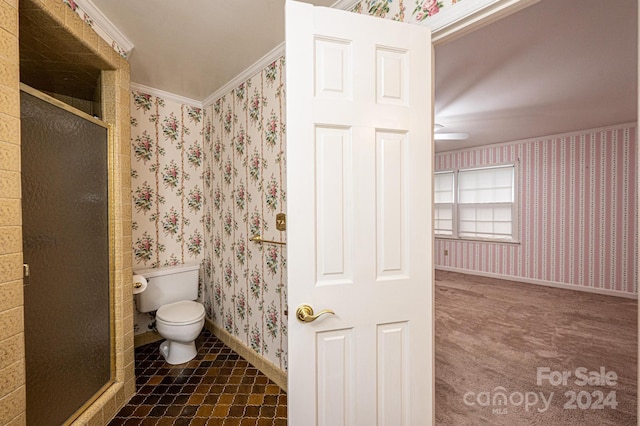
point(265, 366)
point(146, 338)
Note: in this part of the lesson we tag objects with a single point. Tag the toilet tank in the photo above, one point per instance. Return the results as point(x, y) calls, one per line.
point(167, 285)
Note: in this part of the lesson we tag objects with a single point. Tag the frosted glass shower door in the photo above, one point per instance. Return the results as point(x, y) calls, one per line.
point(65, 210)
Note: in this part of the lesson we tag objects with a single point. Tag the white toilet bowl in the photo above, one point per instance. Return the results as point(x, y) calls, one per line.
point(180, 323)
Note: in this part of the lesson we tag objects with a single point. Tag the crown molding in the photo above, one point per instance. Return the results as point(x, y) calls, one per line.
point(570, 134)
point(254, 69)
point(100, 20)
point(165, 95)
point(464, 17)
point(345, 4)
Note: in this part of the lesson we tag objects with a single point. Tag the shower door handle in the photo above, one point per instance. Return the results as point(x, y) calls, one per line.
point(26, 272)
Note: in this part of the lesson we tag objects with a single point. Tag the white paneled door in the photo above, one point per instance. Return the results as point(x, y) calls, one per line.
point(359, 181)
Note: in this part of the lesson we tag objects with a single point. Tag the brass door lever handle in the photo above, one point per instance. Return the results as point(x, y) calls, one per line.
point(304, 313)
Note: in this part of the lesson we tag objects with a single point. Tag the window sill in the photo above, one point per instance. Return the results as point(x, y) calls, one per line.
point(477, 240)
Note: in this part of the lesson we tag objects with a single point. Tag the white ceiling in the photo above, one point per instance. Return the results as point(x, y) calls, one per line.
point(554, 67)
point(192, 48)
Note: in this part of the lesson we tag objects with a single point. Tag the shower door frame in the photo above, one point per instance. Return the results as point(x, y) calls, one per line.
point(111, 155)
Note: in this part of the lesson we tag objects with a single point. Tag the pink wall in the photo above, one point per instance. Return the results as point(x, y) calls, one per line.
point(577, 211)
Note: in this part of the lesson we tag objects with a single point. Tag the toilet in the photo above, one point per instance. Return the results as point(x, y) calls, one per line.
point(171, 291)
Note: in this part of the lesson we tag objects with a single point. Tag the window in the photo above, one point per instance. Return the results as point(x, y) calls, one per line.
point(443, 196)
point(476, 203)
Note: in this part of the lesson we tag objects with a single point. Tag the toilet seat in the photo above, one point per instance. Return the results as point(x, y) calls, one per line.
point(180, 313)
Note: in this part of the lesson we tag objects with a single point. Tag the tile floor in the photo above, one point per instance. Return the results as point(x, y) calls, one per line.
point(218, 387)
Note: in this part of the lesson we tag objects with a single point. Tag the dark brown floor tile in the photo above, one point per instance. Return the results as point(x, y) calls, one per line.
point(272, 390)
point(258, 389)
point(202, 389)
point(240, 399)
point(189, 411)
point(226, 398)
point(196, 399)
point(231, 389)
point(236, 411)
point(127, 410)
point(244, 389)
point(268, 411)
point(281, 411)
point(204, 411)
point(248, 380)
point(158, 411)
point(151, 399)
point(220, 411)
point(255, 399)
point(262, 380)
point(252, 411)
point(173, 410)
point(270, 400)
point(142, 411)
point(234, 380)
point(216, 388)
point(211, 399)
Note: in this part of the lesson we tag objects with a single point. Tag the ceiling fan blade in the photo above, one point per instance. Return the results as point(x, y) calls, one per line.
point(451, 136)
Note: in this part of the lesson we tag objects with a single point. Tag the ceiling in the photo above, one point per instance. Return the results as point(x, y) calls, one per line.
point(554, 67)
point(193, 48)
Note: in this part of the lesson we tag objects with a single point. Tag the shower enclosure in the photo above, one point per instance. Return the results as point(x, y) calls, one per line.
point(66, 238)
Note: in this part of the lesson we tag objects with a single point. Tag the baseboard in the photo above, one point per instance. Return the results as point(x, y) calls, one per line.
point(146, 338)
point(545, 283)
point(265, 366)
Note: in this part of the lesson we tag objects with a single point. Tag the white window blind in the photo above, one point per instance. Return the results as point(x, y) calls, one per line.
point(486, 208)
point(444, 202)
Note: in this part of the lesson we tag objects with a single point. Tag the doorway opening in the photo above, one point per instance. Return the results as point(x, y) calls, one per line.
point(552, 89)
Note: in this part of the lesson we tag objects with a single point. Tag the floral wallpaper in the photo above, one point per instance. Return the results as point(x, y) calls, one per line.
point(203, 183)
point(167, 185)
point(244, 178)
point(410, 11)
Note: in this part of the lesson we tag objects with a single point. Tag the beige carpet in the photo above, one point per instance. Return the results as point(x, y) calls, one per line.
point(493, 335)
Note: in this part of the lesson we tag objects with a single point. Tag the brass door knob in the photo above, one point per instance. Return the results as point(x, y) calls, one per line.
point(304, 313)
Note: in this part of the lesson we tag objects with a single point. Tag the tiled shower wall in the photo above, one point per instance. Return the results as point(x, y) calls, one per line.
point(60, 24)
point(577, 209)
point(12, 392)
point(166, 184)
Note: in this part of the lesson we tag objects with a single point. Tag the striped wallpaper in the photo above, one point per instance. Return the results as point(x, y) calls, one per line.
point(577, 197)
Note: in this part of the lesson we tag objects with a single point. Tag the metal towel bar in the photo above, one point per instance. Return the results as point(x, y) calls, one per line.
point(259, 239)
